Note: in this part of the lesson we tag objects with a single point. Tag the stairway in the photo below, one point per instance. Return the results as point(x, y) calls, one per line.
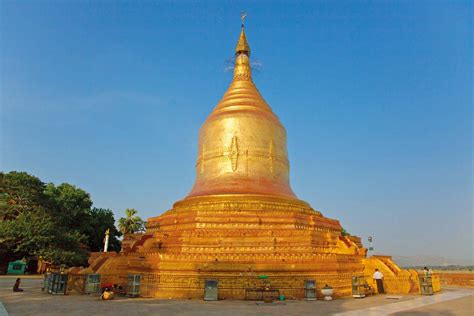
point(388, 262)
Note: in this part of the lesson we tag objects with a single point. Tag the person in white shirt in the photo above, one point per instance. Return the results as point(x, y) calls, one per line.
point(378, 277)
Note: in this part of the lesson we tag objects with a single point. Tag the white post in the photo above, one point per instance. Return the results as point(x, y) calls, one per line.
point(106, 240)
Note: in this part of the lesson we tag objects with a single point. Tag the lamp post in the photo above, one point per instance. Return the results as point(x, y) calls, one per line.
point(371, 247)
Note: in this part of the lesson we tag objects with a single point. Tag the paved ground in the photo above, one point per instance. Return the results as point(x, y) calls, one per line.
point(459, 301)
point(36, 303)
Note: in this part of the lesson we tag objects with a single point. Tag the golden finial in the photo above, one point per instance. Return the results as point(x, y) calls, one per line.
point(242, 45)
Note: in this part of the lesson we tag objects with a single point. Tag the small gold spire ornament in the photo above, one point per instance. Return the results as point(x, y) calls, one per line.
point(242, 45)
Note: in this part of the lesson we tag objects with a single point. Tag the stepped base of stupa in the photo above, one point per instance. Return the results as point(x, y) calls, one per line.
point(235, 239)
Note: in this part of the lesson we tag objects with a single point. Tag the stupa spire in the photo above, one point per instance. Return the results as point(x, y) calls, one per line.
point(242, 68)
point(242, 45)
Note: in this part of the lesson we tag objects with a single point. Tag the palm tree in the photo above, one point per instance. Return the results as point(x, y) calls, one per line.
point(131, 223)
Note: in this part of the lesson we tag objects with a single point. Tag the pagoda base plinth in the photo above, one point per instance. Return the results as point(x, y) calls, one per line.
point(245, 242)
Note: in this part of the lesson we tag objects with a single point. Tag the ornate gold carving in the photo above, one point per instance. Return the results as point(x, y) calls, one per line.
point(234, 153)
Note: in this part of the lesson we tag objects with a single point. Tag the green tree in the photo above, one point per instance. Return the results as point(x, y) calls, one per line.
point(74, 209)
point(32, 235)
point(28, 225)
point(72, 205)
point(56, 222)
point(131, 223)
point(20, 192)
point(99, 221)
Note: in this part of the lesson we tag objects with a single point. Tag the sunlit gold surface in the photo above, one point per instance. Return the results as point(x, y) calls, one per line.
point(242, 144)
point(241, 218)
point(242, 44)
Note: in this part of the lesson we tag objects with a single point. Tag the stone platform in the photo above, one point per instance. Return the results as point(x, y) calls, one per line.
point(452, 301)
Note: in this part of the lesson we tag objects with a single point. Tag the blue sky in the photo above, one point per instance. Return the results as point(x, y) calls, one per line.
point(376, 98)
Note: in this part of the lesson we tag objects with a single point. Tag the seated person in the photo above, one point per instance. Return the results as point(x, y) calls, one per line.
point(16, 287)
point(108, 294)
point(368, 289)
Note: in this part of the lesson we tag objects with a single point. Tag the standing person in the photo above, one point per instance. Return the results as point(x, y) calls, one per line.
point(425, 271)
point(16, 287)
point(378, 277)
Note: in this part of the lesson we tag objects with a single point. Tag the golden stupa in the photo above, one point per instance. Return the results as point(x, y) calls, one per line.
point(242, 220)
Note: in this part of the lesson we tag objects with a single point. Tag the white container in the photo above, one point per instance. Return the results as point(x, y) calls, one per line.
point(327, 292)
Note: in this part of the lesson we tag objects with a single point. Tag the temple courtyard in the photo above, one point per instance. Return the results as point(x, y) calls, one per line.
point(450, 301)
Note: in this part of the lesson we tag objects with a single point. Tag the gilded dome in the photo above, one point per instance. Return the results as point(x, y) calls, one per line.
point(242, 144)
